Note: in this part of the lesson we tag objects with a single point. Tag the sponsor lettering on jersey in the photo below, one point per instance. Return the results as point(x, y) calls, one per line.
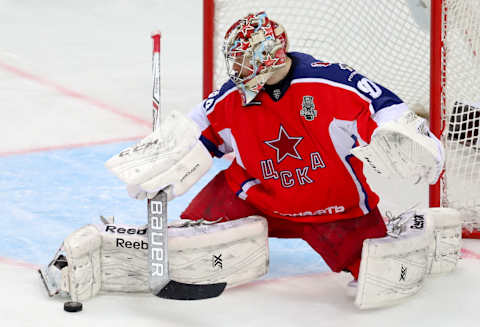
point(335, 209)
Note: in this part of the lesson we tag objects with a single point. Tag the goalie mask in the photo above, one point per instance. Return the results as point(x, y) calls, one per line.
point(254, 48)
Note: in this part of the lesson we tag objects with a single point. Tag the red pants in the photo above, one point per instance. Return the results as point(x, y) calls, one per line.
point(338, 242)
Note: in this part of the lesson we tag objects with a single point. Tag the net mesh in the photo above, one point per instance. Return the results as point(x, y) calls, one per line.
point(461, 108)
point(389, 41)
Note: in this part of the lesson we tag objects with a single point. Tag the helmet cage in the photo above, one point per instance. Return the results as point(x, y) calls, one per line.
point(254, 49)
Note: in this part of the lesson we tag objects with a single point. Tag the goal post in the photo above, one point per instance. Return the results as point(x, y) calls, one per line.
point(436, 69)
point(208, 46)
point(423, 50)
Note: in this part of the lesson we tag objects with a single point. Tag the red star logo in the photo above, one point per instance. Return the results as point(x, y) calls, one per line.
point(285, 145)
point(269, 31)
point(269, 61)
point(245, 44)
point(245, 28)
point(240, 46)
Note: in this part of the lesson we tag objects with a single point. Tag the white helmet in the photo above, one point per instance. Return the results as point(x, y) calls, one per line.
point(254, 48)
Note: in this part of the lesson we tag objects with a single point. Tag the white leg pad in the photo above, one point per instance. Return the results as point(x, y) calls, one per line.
point(394, 268)
point(124, 259)
point(235, 252)
point(115, 257)
point(82, 277)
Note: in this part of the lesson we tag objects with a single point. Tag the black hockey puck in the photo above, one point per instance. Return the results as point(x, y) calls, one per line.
point(72, 306)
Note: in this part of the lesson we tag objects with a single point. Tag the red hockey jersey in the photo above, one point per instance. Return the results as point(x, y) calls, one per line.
point(292, 142)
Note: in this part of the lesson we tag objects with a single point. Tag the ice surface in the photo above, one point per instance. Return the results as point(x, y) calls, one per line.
point(75, 85)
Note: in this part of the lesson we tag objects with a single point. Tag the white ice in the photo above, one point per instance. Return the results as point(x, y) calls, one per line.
point(75, 81)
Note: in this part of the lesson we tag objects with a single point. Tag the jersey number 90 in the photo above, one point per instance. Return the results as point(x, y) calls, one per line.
point(367, 86)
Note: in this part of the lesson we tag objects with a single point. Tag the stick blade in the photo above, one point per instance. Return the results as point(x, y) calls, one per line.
point(181, 291)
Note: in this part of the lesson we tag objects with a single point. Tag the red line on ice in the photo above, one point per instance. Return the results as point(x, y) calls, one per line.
point(466, 253)
point(18, 263)
point(70, 146)
point(74, 94)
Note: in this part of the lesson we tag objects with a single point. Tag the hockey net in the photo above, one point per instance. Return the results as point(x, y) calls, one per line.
point(388, 41)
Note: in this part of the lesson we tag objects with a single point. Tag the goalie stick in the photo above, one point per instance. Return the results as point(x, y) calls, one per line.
point(160, 283)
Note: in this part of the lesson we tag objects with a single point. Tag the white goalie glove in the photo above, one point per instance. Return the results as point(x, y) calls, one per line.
point(405, 148)
point(170, 156)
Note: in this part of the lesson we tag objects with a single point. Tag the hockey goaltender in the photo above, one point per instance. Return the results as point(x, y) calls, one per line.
point(301, 130)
